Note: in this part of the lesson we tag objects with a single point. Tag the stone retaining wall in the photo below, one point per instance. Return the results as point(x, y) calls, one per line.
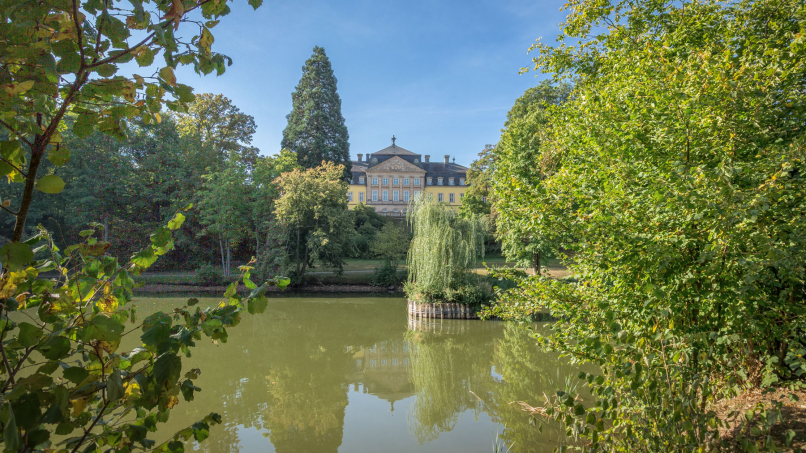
point(441, 311)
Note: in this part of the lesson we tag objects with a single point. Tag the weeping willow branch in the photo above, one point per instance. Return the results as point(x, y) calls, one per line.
point(444, 246)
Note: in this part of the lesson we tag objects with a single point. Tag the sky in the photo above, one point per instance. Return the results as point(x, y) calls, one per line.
point(438, 75)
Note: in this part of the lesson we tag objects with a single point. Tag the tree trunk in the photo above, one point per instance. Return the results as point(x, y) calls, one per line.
point(297, 255)
point(221, 249)
point(37, 151)
point(536, 262)
point(229, 260)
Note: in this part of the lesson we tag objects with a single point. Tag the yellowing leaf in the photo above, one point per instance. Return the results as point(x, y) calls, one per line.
point(50, 184)
point(167, 74)
point(78, 406)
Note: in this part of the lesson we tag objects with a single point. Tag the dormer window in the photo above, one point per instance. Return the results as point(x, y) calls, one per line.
point(439, 181)
point(374, 160)
point(361, 180)
point(450, 181)
point(461, 181)
point(429, 181)
point(416, 161)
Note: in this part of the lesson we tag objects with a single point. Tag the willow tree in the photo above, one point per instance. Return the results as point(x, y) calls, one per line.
point(443, 249)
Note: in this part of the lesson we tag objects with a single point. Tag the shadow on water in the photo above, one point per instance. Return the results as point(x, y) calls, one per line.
point(323, 374)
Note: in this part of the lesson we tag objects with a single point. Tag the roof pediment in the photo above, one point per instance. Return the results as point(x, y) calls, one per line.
point(394, 150)
point(395, 164)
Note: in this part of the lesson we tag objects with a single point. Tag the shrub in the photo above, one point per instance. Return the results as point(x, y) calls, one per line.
point(209, 275)
point(387, 275)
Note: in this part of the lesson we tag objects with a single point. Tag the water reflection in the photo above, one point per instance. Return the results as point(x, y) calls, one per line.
point(329, 374)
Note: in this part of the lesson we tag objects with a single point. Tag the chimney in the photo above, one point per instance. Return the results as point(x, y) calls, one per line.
point(359, 157)
point(368, 154)
point(427, 158)
point(447, 158)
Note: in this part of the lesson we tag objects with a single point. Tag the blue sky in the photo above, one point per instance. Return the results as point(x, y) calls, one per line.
point(439, 75)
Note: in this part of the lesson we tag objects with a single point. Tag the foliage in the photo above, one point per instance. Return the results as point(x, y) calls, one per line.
point(476, 201)
point(209, 275)
point(367, 225)
point(391, 243)
point(313, 211)
point(316, 129)
point(519, 164)
point(676, 173)
point(63, 372)
point(215, 120)
point(387, 275)
point(61, 59)
point(223, 210)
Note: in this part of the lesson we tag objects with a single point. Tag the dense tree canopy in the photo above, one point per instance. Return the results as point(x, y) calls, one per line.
point(316, 129)
point(675, 171)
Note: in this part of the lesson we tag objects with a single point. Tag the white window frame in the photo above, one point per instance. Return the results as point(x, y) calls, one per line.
point(396, 181)
point(416, 192)
point(350, 197)
point(361, 197)
point(450, 181)
point(396, 195)
point(385, 181)
point(461, 181)
point(440, 197)
point(385, 195)
point(405, 195)
point(374, 195)
point(360, 180)
point(429, 181)
point(416, 181)
point(405, 181)
point(439, 181)
point(374, 181)
point(451, 198)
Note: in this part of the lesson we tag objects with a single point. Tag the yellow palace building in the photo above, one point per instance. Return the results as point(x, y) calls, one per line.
point(389, 178)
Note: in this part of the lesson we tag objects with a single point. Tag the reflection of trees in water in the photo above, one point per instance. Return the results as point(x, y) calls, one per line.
point(445, 369)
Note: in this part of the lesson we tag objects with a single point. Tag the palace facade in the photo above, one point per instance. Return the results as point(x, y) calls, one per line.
point(389, 178)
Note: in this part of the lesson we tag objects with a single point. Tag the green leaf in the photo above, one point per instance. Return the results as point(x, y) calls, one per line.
point(102, 328)
point(176, 222)
point(15, 255)
point(58, 156)
point(167, 370)
point(11, 437)
point(114, 386)
point(255, 3)
point(85, 124)
point(29, 334)
point(257, 305)
point(56, 348)
point(76, 374)
point(50, 184)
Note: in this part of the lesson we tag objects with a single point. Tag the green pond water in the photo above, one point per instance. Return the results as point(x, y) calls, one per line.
point(354, 374)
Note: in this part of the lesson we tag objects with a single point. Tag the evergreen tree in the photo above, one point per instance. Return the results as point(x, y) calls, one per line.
point(316, 129)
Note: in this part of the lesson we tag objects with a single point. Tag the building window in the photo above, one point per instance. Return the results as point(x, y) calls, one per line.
point(374, 195)
point(361, 180)
point(406, 349)
point(452, 198)
point(416, 161)
point(396, 181)
point(385, 181)
point(416, 181)
point(385, 195)
point(440, 197)
point(416, 192)
point(373, 363)
point(396, 195)
point(429, 181)
point(395, 362)
point(361, 196)
point(461, 196)
point(374, 160)
point(405, 195)
point(405, 181)
point(439, 181)
point(384, 362)
point(450, 181)
point(375, 181)
point(350, 197)
point(461, 181)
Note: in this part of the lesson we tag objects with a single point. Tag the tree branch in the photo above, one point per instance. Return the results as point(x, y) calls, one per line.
point(87, 431)
point(10, 129)
point(79, 31)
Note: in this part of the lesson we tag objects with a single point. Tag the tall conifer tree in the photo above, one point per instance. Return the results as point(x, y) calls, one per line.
point(316, 129)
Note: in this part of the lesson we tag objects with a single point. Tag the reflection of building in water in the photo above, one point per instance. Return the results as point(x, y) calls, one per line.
point(381, 369)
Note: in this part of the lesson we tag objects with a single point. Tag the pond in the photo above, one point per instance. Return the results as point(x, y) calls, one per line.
point(352, 374)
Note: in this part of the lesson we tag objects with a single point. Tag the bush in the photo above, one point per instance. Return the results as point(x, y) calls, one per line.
point(475, 294)
point(209, 275)
point(387, 275)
